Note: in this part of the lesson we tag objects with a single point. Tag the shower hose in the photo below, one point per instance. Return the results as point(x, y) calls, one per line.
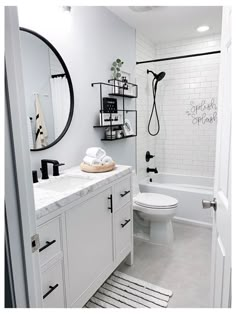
point(154, 109)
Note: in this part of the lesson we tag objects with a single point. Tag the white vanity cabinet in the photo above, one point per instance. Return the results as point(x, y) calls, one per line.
point(89, 242)
point(85, 243)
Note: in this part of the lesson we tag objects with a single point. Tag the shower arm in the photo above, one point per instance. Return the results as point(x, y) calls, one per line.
point(149, 71)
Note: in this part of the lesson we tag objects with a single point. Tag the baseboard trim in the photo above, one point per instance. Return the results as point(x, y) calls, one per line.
point(192, 222)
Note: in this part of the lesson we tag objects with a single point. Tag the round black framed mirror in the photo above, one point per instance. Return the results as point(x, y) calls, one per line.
point(48, 89)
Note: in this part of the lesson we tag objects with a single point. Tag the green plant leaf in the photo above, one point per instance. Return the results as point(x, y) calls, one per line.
point(112, 68)
point(114, 63)
point(117, 69)
point(118, 75)
point(118, 60)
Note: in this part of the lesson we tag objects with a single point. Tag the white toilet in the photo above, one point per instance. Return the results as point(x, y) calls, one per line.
point(159, 209)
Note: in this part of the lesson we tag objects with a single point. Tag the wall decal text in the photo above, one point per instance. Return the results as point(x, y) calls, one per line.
point(203, 113)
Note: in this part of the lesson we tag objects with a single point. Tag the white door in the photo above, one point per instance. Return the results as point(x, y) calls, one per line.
point(221, 238)
point(19, 200)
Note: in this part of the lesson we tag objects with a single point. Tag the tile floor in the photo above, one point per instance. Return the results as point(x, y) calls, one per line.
point(183, 267)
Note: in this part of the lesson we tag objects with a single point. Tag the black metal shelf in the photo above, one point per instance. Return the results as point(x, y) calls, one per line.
point(123, 111)
point(122, 95)
point(107, 126)
point(116, 80)
point(122, 88)
point(119, 138)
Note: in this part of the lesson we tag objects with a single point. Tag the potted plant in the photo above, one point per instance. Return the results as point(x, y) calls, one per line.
point(115, 68)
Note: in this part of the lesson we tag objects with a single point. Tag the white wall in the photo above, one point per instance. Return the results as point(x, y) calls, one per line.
point(89, 40)
point(183, 145)
point(145, 50)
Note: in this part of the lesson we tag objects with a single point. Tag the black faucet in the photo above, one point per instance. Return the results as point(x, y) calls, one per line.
point(152, 170)
point(44, 167)
point(35, 176)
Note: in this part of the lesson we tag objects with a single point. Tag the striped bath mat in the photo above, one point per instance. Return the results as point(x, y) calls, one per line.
point(123, 291)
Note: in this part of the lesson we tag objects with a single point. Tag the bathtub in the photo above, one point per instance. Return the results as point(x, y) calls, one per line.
point(188, 190)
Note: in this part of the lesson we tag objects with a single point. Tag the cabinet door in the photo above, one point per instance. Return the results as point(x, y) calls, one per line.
point(50, 240)
point(89, 242)
point(52, 287)
point(123, 229)
point(122, 192)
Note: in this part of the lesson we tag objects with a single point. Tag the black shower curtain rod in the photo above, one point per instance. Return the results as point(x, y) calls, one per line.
point(180, 57)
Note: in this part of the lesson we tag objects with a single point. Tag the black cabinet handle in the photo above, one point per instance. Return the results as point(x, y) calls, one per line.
point(125, 192)
point(125, 223)
point(111, 208)
point(50, 291)
point(46, 245)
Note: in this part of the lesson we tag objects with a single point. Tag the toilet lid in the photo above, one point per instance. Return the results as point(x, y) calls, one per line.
point(155, 200)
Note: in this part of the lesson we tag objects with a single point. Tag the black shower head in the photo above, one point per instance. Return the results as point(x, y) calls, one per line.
point(158, 76)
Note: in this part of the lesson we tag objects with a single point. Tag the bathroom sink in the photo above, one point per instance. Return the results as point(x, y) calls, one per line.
point(64, 183)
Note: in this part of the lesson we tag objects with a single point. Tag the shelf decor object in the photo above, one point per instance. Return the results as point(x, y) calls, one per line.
point(115, 68)
point(127, 128)
point(115, 120)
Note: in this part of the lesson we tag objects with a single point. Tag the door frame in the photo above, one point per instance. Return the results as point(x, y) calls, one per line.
point(20, 219)
point(221, 237)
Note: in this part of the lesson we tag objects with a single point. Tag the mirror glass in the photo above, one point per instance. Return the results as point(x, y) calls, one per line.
point(48, 91)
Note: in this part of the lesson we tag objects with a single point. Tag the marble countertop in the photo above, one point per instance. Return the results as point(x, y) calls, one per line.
point(47, 201)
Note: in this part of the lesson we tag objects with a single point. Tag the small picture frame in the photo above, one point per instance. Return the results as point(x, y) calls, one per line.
point(127, 128)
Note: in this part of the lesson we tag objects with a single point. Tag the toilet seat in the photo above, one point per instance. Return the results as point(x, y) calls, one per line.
point(155, 201)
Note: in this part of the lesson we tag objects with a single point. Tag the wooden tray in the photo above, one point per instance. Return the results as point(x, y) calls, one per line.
point(100, 168)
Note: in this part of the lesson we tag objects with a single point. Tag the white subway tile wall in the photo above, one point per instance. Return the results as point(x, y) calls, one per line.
point(186, 101)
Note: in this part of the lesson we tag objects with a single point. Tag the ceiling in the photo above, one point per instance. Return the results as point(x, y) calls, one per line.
point(167, 23)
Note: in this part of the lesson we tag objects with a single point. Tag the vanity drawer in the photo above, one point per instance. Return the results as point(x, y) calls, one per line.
point(123, 229)
point(122, 192)
point(50, 240)
point(52, 287)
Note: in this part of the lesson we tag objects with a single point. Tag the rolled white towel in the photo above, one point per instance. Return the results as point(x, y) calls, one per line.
point(91, 161)
point(95, 152)
point(106, 160)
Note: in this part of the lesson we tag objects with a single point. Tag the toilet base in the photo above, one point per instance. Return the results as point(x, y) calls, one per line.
point(161, 232)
